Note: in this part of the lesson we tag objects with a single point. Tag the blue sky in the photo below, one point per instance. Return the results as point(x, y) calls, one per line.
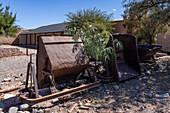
point(35, 13)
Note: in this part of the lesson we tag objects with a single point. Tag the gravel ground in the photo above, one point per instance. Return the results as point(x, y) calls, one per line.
point(13, 66)
point(148, 93)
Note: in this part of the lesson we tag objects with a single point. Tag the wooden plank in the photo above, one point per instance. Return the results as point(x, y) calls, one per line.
point(26, 39)
point(35, 39)
point(9, 90)
point(72, 108)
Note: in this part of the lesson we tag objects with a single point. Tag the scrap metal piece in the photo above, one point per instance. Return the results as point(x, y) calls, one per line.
point(10, 89)
point(62, 93)
point(147, 52)
point(33, 93)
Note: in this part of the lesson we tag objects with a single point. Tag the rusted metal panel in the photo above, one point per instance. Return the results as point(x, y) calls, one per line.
point(71, 91)
point(60, 54)
point(146, 52)
point(61, 69)
point(125, 64)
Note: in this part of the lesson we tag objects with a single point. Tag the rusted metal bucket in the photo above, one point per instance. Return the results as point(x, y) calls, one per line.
point(61, 69)
point(147, 52)
point(60, 55)
point(125, 64)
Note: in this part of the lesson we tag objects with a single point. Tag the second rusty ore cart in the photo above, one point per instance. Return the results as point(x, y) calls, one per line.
point(125, 64)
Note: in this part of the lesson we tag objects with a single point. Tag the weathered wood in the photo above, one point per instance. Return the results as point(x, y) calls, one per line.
point(11, 89)
point(72, 108)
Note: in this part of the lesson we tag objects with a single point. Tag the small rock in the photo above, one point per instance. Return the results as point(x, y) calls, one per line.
point(80, 103)
point(13, 110)
point(140, 79)
point(40, 111)
point(24, 107)
point(137, 87)
point(34, 111)
point(119, 110)
point(84, 107)
point(145, 77)
point(7, 79)
point(92, 105)
point(20, 112)
point(116, 87)
point(149, 95)
point(107, 90)
point(55, 100)
point(16, 79)
point(147, 111)
point(24, 82)
point(1, 110)
point(148, 72)
point(166, 95)
point(47, 110)
point(6, 96)
point(90, 92)
point(72, 102)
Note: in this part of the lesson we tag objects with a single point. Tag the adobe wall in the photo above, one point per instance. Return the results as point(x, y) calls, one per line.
point(164, 40)
point(119, 27)
point(31, 39)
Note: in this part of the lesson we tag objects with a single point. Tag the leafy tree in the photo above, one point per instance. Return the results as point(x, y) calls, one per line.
point(137, 6)
point(82, 19)
point(93, 27)
point(7, 22)
point(140, 19)
point(1, 9)
point(94, 44)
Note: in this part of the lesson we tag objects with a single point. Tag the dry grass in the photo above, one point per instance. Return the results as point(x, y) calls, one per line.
point(6, 40)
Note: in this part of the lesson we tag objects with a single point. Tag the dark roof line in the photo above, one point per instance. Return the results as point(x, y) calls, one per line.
point(49, 28)
point(52, 28)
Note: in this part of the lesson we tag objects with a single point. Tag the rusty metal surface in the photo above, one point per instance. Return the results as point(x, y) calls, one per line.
point(125, 64)
point(146, 52)
point(60, 54)
point(62, 93)
point(33, 92)
point(61, 68)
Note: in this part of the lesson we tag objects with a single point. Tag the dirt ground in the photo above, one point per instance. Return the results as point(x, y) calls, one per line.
point(147, 93)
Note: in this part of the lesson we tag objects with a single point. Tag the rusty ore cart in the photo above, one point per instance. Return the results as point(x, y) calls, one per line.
point(61, 70)
point(125, 64)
